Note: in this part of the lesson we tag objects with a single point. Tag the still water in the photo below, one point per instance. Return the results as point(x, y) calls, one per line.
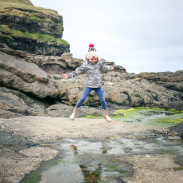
point(92, 161)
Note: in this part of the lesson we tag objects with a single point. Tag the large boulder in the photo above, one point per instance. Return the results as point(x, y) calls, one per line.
point(14, 104)
point(170, 80)
point(25, 77)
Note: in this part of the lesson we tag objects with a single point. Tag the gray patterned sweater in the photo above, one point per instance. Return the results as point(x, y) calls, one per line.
point(92, 71)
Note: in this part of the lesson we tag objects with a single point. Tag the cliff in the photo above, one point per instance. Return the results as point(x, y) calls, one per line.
point(35, 30)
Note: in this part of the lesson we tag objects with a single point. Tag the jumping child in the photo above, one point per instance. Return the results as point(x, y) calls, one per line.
point(91, 67)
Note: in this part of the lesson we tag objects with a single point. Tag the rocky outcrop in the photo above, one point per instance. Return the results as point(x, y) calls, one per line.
point(26, 89)
point(32, 29)
point(123, 89)
point(26, 77)
point(14, 104)
point(54, 64)
point(49, 64)
point(170, 80)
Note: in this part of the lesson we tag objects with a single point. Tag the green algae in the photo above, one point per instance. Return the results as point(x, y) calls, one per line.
point(93, 117)
point(146, 116)
point(151, 116)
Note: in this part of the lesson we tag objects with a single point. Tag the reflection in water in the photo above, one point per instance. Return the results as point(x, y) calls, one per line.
point(99, 161)
point(87, 161)
point(91, 176)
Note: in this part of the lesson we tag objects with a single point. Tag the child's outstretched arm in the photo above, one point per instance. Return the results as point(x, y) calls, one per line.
point(106, 68)
point(78, 71)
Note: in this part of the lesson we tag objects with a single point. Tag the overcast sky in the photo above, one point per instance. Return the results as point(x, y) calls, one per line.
point(140, 35)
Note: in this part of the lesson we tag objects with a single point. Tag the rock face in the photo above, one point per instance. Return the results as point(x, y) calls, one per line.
point(26, 89)
point(123, 89)
point(14, 104)
point(53, 64)
point(26, 77)
point(170, 80)
point(32, 29)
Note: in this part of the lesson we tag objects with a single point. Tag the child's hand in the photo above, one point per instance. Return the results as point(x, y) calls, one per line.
point(65, 76)
point(113, 67)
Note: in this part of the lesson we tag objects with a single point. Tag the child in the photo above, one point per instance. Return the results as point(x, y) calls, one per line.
point(93, 81)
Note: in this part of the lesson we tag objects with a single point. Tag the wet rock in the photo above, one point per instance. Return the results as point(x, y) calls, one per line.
point(177, 129)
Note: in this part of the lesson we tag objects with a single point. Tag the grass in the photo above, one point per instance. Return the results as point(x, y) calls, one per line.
point(25, 4)
point(7, 32)
point(35, 16)
point(17, 1)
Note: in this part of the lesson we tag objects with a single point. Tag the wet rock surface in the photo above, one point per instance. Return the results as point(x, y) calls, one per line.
point(177, 129)
point(89, 149)
point(19, 156)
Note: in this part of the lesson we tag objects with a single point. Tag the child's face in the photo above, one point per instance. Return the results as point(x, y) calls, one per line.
point(93, 60)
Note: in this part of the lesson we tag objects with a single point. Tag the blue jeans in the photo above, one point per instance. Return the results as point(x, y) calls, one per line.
point(87, 91)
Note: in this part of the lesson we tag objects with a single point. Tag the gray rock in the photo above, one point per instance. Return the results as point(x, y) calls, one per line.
point(25, 77)
point(14, 104)
point(170, 80)
point(178, 129)
point(123, 89)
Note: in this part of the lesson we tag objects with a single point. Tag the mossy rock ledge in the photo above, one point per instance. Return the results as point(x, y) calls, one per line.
point(35, 30)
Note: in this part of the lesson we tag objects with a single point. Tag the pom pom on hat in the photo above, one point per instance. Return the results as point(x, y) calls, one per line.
point(91, 52)
point(91, 45)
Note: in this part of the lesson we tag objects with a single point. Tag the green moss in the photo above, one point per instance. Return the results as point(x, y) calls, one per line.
point(4, 35)
point(33, 177)
point(125, 111)
point(93, 117)
point(37, 19)
point(36, 36)
point(147, 116)
point(169, 120)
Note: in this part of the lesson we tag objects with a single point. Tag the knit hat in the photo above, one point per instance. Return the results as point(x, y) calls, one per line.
point(91, 52)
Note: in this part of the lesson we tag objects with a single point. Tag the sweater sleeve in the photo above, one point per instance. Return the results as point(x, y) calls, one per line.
point(106, 68)
point(78, 71)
